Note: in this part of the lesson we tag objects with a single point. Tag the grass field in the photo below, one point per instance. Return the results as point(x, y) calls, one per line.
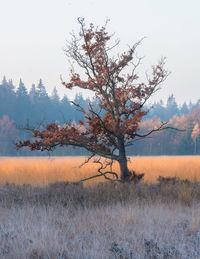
point(104, 221)
point(63, 220)
point(58, 169)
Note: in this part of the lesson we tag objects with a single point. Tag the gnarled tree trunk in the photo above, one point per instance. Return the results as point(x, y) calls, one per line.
point(124, 171)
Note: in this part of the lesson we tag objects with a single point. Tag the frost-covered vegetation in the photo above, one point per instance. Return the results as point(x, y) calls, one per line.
point(110, 220)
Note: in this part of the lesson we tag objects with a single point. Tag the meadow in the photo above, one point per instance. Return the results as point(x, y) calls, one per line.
point(42, 215)
point(123, 221)
point(45, 170)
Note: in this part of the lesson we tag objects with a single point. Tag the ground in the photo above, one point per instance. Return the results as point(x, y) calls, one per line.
point(61, 220)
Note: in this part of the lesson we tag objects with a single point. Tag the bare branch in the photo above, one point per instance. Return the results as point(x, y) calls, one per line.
point(87, 160)
point(160, 128)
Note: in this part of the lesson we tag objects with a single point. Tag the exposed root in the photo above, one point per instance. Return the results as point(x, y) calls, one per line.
point(110, 174)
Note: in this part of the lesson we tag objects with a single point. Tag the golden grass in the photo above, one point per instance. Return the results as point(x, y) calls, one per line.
point(55, 169)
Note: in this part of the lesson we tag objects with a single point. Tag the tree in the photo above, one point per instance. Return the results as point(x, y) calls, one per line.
point(21, 90)
point(186, 143)
point(7, 98)
point(82, 103)
point(66, 109)
point(41, 90)
point(33, 94)
point(172, 107)
point(54, 107)
point(184, 109)
point(105, 132)
point(157, 110)
point(54, 96)
point(42, 103)
point(23, 104)
point(195, 135)
point(8, 136)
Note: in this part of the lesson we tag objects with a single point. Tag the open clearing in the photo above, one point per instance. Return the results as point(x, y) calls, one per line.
point(44, 170)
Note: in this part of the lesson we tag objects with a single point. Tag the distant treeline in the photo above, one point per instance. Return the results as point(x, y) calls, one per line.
point(20, 108)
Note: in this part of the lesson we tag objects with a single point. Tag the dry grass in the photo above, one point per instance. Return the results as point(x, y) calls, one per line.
point(47, 170)
point(108, 220)
point(105, 221)
point(113, 232)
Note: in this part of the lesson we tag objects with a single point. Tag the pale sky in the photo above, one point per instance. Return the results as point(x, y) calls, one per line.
point(33, 34)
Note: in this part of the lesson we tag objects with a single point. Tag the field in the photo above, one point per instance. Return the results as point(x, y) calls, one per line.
point(42, 216)
point(129, 221)
point(41, 171)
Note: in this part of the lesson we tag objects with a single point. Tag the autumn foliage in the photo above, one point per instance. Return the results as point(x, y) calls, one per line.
point(113, 124)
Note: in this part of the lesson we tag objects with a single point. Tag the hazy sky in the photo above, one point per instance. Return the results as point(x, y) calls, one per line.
point(33, 34)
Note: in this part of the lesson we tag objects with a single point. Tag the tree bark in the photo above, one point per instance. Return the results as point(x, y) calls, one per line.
point(124, 171)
